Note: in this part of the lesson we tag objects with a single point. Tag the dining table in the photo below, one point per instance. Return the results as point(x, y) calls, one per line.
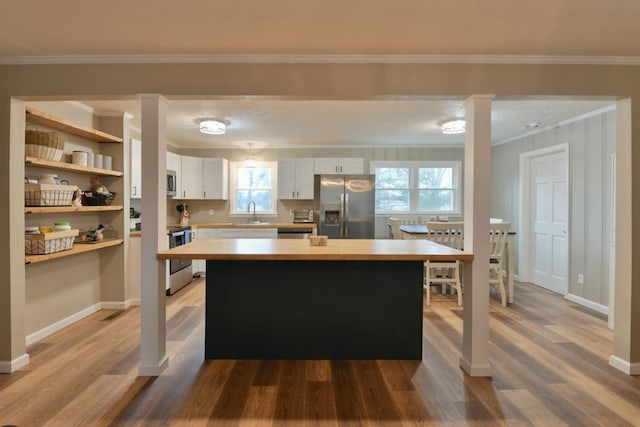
point(421, 231)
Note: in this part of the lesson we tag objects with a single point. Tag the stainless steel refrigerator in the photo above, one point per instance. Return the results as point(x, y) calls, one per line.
point(347, 206)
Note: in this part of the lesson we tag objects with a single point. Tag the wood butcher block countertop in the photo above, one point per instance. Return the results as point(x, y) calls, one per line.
point(249, 225)
point(300, 249)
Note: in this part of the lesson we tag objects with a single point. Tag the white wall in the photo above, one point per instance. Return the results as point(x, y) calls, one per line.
point(591, 143)
point(199, 209)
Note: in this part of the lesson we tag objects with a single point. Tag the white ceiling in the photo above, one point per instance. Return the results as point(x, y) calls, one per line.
point(208, 30)
point(287, 123)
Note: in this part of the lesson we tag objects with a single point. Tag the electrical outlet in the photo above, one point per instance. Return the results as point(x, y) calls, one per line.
point(211, 212)
point(581, 279)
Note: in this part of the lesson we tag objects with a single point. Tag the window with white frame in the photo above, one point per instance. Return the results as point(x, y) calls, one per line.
point(253, 184)
point(430, 187)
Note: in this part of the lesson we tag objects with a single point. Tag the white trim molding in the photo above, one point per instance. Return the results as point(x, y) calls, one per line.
point(624, 366)
point(14, 365)
point(154, 371)
point(307, 59)
point(589, 304)
point(61, 324)
point(524, 248)
point(476, 371)
point(69, 320)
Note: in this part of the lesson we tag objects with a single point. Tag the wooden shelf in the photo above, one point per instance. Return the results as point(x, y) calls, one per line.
point(38, 117)
point(78, 248)
point(66, 209)
point(50, 164)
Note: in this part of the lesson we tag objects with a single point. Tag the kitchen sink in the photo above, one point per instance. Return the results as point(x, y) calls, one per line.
point(253, 223)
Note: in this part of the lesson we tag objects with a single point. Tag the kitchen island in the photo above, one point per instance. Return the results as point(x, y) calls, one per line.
point(286, 299)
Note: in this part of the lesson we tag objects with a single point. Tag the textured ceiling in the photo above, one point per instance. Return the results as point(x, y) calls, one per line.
point(145, 30)
point(288, 124)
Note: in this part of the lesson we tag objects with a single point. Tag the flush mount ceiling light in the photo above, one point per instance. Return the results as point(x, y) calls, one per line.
point(453, 127)
point(250, 162)
point(213, 127)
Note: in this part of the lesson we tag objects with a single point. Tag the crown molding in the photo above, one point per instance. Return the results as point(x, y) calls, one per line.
point(338, 59)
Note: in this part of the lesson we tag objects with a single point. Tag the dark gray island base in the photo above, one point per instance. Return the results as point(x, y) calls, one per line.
point(313, 309)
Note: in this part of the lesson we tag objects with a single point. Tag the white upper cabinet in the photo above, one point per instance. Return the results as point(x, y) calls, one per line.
point(173, 164)
point(190, 184)
point(200, 177)
point(173, 161)
point(334, 165)
point(215, 178)
point(136, 169)
point(295, 178)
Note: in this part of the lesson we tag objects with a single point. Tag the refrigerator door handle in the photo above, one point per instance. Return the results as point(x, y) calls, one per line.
point(342, 213)
point(346, 215)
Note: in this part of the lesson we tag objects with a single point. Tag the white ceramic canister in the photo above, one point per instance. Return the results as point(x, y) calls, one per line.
point(90, 159)
point(106, 162)
point(61, 226)
point(79, 158)
point(97, 161)
point(48, 178)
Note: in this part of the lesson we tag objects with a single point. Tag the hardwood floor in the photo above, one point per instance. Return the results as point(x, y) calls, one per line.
point(549, 357)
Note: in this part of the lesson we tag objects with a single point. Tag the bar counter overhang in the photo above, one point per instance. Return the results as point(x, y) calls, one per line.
point(286, 299)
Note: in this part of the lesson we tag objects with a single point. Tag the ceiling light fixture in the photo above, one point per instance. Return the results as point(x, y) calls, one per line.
point(213, 127)
point(250, 162)
point(453, 127)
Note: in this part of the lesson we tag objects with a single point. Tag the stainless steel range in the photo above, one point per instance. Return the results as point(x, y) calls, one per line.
point(180, 273)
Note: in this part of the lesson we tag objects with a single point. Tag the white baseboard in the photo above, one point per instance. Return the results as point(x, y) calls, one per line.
point(477, 370)
point(61, 324)
point(589, 304)
point(624, 366)
point(14, 365)
point(69, 320)
point(114, 305)
point(155, 370)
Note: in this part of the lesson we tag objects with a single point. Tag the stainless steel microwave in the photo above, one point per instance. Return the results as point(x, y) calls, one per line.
point(171, 183)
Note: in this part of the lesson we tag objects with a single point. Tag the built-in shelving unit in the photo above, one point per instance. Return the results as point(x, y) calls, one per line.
point(40, 118)
point(70, 167)
point(70, 209)
point(78, 248)
point(35, 116)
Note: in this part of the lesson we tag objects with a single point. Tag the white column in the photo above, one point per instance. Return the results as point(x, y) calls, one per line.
point(153, 341)
point(626, 334)
point(477, 202)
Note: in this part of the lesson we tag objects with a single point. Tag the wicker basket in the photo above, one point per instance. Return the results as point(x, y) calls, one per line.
point(48, 243)
point(44, 145)
point(93, 198)
point(48, 194)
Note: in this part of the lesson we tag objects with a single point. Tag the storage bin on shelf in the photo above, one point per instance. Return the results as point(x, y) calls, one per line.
point(94, 198)
point(48, 194)
point(48, 243)
point(44, 145)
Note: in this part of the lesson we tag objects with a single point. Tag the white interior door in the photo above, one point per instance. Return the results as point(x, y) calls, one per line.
point(549, 207)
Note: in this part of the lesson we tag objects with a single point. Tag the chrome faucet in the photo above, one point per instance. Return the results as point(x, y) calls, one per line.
point(254, 218)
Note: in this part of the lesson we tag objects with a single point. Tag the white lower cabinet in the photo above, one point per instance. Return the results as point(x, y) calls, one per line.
point(246, 233)
point(199, 266)
point(262, 233)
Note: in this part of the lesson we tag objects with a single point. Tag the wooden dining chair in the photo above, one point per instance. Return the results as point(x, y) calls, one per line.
point(498, 233)
point(394, 227)
point(446, 273)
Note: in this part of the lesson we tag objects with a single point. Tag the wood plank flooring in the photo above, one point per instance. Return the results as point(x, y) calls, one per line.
point(549, 357)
